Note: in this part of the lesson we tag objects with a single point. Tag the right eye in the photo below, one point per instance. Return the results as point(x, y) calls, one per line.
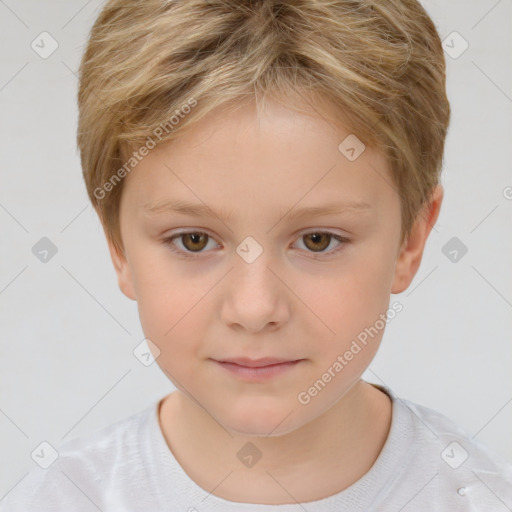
point(191, 241)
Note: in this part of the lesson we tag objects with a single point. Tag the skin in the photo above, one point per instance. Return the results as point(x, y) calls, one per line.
point(296, 300)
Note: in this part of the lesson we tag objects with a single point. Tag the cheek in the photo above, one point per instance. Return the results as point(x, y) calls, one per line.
point(168, 315)
point(349, 298)
point(169, 304)
point(173, 323)
point(349, 309)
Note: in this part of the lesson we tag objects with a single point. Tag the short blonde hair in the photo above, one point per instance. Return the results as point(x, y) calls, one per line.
point(153, 68)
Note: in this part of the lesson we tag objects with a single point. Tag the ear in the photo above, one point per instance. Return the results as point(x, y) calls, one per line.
point(411, 252)
point(124, 276)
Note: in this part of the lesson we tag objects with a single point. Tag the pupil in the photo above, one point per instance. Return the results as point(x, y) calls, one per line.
point(194, 239)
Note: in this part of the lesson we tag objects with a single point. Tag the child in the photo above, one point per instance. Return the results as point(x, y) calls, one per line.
point(298, 144)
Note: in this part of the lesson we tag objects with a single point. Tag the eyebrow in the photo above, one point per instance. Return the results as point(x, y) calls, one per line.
point(202, 210)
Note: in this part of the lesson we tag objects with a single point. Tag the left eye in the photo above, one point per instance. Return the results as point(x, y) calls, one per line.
point(195, 241)
point(317, 242)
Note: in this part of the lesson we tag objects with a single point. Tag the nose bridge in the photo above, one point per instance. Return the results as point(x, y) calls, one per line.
point(252, 264)
point(254, 295)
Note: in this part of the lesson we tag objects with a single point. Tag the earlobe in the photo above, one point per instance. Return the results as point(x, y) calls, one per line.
point(122, 268)
point(411, 251)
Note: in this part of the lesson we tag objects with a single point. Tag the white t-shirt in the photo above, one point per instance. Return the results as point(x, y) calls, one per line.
point(427, 464)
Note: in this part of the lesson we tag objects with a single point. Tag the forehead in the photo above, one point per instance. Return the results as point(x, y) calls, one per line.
point(250, 159)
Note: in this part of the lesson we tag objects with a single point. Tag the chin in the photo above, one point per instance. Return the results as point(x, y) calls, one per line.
point(257, 428)
point(256, 419)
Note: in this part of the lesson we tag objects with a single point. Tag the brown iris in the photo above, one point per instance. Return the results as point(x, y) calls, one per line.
point(197, 241)
point(320, 241)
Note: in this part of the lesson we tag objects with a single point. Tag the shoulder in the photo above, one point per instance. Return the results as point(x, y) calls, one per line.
point(447, 466)
point(457, 446)
point(85, 470)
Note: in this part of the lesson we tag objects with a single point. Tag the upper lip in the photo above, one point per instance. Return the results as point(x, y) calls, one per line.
point(256, 363)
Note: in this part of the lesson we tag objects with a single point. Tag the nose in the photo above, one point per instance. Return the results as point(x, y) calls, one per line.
point(255, 297)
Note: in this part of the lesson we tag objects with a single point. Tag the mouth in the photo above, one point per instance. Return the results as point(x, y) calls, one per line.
point(257, 363)
point(257, 369)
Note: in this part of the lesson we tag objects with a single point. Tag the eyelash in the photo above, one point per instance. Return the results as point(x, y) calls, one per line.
point(168, 241)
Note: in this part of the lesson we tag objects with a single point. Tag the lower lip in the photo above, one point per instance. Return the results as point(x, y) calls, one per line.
point(260, 373)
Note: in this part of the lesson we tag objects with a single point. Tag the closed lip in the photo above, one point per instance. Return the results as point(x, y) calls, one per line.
point(257, 363)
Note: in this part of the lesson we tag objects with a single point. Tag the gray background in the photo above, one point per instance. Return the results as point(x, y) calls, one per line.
point(67, 333)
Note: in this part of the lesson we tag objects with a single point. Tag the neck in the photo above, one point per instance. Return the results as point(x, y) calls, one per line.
point(317, 460)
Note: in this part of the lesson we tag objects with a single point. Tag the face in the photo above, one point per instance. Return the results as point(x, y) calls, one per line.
point(264, 272)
